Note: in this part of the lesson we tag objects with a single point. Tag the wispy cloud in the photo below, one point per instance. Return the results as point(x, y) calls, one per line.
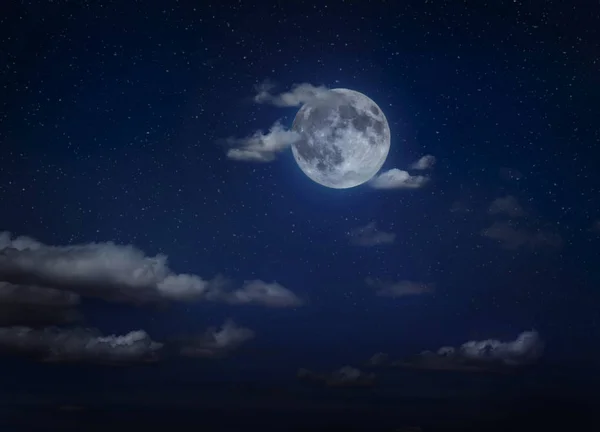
point(78, 345)
point(398, 179)
point(378, 359)
point(344, 376)
point(425, 163)
point(217, 342)
point(399, 289)
point(507, 205)
point(511, 237)
point(459, 207)
point(298, 95)
point(258, 292)
point(369, 235)
point(262, 147)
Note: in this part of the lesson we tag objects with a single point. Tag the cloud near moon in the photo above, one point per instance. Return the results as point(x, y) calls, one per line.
point(264, 147)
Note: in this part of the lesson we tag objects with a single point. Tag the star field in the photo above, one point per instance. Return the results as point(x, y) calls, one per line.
point(116, 118)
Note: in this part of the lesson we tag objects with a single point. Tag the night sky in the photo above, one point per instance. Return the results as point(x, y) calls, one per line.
point(116, 121)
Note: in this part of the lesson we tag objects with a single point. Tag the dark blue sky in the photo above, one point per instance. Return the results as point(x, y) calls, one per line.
point(111, 121)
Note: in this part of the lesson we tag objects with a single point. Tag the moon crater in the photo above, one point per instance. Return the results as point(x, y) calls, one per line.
point(344, 139)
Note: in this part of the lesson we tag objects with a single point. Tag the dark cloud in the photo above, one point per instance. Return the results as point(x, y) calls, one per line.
point(37, 316)
point(78, 345)
point(23, 295)
point(507, 205)
point(400, 288)
point(378, 359)
point(119, 273)
point(510, 237)
point(369, 235)
point(595, 228)
point(217, 342)
point(346, 376)
point(36, 306)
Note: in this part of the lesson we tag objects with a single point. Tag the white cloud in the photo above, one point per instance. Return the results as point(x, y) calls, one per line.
point(512, 238)
point(262, 147)
point(218, 342)
point(261, 293)
point(527, 348)
point(400, 288)
point(425, 163)
point(298, 95)
point(120, 273)
point(398, 179)
point(53, 344)
point(507, 205)
point(369, 235)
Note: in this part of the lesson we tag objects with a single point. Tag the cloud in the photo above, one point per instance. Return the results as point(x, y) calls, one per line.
point(350, 375)
point(119, 273)
point(106, 270)
point(218, 342)
point(369, 235)
point(262, 147)
point(260, 293)
point(398, 179)
point(507, 205)
point(23, 295)
point(399, 289)
point(37, 316)
point(425, 163)
point(526, 349)
point(36, 306)
point(485, 355)
point(344, 376)
point(595, 228)
point(378, 359)
point(78, 345)
point(512, 238)
point(298, 95)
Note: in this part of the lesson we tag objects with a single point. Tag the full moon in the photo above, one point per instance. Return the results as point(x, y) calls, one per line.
point(344, 139)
